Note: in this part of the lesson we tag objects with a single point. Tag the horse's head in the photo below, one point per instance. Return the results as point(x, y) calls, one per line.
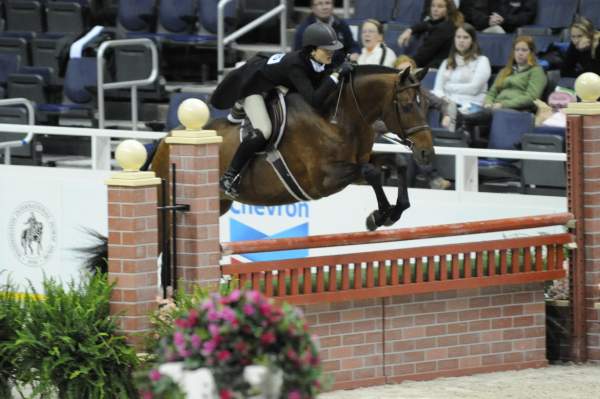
point(406, 116)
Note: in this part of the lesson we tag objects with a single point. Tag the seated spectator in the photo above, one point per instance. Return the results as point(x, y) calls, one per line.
point(518, 85)
point(435, 34)
point(374, 50)
point(322, 10)
point(498, 16)
point(463, 76)
point(427, 6)
point(583, 54)
point(427, 173)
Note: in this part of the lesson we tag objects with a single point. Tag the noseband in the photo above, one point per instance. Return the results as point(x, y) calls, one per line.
point(407, 132)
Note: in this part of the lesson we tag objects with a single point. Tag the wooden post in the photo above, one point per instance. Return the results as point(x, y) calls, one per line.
point(583, 187)
point(132, 244)
point(195, 153)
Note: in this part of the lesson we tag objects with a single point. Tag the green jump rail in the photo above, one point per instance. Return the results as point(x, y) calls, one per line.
point(423, 269)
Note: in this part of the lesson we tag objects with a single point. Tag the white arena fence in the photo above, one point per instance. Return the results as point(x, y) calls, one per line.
point(69, 200)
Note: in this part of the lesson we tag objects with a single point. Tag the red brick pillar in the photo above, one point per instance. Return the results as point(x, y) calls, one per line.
point(583, 168)
point(195, 153)
point(132, 249)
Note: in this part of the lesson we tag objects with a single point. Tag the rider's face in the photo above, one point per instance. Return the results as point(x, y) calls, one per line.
point(322, 56)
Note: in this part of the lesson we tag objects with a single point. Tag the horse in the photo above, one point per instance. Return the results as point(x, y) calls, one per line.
point(32, 234)
point(325, 157)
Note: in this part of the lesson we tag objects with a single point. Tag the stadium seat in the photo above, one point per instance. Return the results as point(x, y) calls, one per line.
point(407, 12)
point(9, 64)
point(444, 164)
point(380, 10)
point(207, 15)
point(508, 126)
point(496, 47)
point(569, 83)
point(24, 16)
point(137, 15)
point(591, 10)
point(543, 177)
point(429, 80)
point(17, 46)
point(65, 17)
point(555, 14)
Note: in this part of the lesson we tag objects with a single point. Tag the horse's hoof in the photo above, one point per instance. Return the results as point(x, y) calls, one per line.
point(372, 222)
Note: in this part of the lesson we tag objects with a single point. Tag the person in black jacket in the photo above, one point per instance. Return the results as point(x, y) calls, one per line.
point(307, 71)
point(499, 16)
point(322, 11)
point(583, 54)
point(437, 34)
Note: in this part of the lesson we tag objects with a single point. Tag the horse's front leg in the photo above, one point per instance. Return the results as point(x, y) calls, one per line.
point(402, 202)
point(372, 176)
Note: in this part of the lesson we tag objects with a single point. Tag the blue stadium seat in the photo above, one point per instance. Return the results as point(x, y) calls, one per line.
point(555, 14)
point(207, 14)
point(24, 16)
point(569, 83)
point(407, 11)
point(429, 80)
point(377, 9)
point(496, 47)
point(508, 126)
point(591, 10)
point(137, 15)
point(9, 63)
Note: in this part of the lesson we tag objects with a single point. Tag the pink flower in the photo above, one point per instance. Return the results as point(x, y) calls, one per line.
point(154, 375)
point(253, 296)
point(196, 341)
point(265, 309)
point(208, 305)
point(147, 395)
point(182, 323)
point(192, 317)
point(225, 394)
point(241, 346)
point(212, 315)
point(228, 314)
point(295, 394)
point(235, 296)
point(249, 309)
point(267, 338)
point(209, 346)
point(223, 356)
point(213, 329)
point(292, 355)
point(179, 338)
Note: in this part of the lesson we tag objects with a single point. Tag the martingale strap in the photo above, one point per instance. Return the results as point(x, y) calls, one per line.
point(284, 173)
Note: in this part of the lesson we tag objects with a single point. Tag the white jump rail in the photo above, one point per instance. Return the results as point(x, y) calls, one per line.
point(466, 164)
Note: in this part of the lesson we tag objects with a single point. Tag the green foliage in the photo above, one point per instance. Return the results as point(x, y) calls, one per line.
point(11, 313)
point(68, 343)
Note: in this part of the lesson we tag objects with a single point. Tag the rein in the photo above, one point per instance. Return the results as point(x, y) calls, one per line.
point(405, 139)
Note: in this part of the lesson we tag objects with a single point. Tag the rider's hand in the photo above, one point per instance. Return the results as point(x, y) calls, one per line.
point(345, 69)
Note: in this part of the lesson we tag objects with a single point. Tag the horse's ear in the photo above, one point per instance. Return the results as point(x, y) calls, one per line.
point(404, 74)
point(421, 73)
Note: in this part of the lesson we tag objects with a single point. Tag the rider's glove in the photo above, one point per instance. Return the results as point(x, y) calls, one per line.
point(345, 69)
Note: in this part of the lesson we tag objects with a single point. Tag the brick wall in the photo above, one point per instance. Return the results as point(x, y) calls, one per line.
point(198, 230)
point(132, 250)
point(591, 178)
point(431, 335)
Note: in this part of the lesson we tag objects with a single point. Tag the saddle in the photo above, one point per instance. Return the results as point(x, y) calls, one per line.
point(276, 107)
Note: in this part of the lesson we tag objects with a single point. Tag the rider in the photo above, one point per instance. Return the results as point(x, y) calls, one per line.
point(306, 71)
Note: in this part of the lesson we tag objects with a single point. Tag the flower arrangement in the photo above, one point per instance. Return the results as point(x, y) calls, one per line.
point(226, 333)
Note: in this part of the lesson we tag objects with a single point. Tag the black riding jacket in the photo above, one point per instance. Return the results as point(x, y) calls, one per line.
point(261, 74)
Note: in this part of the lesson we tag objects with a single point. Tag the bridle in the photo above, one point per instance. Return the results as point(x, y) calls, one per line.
point(407, 132)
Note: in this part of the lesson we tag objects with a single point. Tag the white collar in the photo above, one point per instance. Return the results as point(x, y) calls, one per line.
point(317, 66)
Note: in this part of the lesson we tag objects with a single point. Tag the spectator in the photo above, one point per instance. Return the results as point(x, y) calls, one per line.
point(435, 33)
point(583, 54)
point(427, 6)
point(428, 174)
point(498, 16)
point(463, 76)
point(322, 10)
point(518, 85)
point(374, 50)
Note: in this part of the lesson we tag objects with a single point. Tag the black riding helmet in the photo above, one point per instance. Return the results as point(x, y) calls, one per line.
point(321, 35)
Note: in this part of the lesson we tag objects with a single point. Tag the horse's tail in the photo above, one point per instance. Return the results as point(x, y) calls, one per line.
point(95, 256)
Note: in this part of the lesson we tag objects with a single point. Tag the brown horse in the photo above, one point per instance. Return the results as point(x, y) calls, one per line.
point(325, 157)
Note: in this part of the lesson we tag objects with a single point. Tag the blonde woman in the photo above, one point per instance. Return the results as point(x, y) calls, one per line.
point(583, 54)
point(374, 50)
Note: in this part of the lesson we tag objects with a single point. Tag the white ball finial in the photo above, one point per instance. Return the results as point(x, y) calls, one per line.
point(193, 113)
point(131, 155)
point(587, 86)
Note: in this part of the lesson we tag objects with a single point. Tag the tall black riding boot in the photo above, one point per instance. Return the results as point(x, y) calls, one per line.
point(252, 143)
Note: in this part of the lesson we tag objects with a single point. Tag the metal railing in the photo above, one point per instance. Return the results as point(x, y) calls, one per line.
point(223, 40)
point(101, 145)
point(7, 145)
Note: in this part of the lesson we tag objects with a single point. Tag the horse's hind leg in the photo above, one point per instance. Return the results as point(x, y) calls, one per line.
point(372, 175)
point(402, 202)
